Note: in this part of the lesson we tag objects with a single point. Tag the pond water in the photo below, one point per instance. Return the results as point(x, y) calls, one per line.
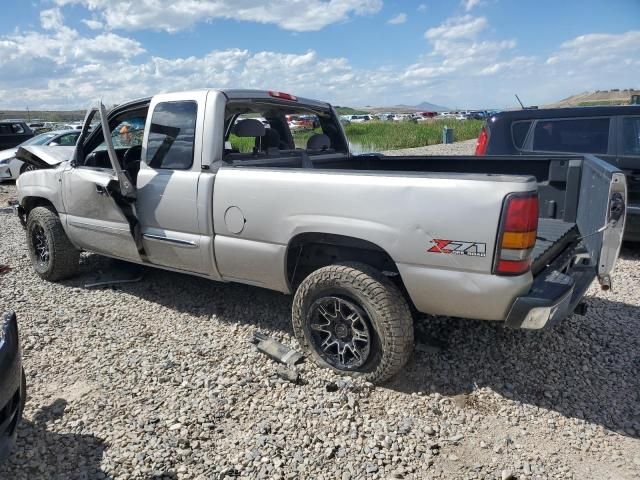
point(354, 147)
point(359, 148)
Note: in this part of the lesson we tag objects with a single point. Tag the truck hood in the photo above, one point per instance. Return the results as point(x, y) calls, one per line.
point(8, 153)
point(45, 156)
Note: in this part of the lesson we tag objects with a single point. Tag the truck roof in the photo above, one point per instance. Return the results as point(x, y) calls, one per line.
point(240, 94)
point(597, 111)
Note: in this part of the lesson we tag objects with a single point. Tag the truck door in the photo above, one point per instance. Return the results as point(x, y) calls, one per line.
point(167, 184)
point(91, 188)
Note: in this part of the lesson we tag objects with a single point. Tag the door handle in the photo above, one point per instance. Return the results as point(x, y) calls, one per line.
point(101, 190)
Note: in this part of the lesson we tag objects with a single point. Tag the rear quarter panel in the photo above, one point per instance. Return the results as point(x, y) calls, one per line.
point(258, 211)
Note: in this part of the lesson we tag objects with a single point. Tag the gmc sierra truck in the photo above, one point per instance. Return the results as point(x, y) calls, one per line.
point(214, 183)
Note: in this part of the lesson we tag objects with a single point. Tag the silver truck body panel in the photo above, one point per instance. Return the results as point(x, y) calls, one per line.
point(167, 202)
point(401, 214)
point(461, 293)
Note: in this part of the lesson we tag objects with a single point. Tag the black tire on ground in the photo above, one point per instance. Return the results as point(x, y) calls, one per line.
point(356, 291)
point(52, 254)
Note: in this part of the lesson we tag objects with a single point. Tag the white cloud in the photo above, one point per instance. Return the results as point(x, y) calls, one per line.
point(463, 65)
point(93, 24)
point(470, 4)
point(174, 15)
point(51, 19)
point(398, 19)
point(422, 7)
point(457, 28)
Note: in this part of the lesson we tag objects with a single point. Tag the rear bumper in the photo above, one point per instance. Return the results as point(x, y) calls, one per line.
point(554, 295)
point(12, 392)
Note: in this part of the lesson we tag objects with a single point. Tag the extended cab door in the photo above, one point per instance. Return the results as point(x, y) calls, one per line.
point(167, 184)
point(92, 197)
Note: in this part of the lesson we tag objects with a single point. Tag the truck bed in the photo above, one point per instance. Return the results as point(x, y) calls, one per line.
point(553, 237)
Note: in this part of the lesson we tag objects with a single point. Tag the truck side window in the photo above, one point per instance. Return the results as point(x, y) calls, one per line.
point(582, 135)
point(17, 128)
point(631, 136)
point(519, 131)
point(172, 135)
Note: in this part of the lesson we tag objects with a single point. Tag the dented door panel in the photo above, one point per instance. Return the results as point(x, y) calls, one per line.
point(94, 221)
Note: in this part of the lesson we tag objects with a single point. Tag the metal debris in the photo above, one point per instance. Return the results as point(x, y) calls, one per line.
point(276, 350)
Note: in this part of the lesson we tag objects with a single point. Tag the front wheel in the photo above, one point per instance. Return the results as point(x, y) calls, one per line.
point(350, 318)
point(52, 254)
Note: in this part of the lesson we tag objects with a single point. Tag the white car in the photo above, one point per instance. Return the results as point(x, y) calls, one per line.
point(360, 118)
point(11, 167)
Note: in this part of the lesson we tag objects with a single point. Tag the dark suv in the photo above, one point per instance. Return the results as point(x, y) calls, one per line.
point(13, 133)
point(611, 133)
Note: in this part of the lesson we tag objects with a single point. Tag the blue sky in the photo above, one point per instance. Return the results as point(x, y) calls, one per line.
point(459, 53)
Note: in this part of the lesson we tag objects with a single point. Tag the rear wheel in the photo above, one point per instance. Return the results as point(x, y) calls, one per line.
point(352, 319)
point(52, 254)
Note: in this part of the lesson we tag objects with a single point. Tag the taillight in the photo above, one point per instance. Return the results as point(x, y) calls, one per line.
point(481, 143)
point(283, 96)
point(517, 236)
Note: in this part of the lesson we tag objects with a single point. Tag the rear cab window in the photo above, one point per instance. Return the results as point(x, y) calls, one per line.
point(172, 135)
point(519, 131)
point(631, 136)
point(579, 135)
point(288, 129)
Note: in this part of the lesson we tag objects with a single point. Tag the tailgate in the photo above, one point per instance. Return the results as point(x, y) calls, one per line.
point(601, 213)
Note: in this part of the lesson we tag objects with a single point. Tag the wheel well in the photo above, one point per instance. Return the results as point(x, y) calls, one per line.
point(308, 252)
point(29, 203)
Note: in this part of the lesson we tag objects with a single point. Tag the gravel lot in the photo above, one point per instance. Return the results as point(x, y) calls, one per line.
point(155, 380)
point(458, 148)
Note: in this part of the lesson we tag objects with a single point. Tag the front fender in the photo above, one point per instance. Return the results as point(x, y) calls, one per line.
point(41, 184)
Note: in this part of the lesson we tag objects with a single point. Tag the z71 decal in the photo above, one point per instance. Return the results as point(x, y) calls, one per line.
point(458, 247)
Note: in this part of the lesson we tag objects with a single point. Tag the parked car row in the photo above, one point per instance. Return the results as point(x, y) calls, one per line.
point(11, 167)
point(416, 116)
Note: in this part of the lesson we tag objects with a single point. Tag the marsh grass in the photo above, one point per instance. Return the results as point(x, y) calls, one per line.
point(387, 135)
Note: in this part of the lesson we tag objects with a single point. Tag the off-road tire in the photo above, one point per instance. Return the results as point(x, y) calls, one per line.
point(64, 258)
point(381, 300)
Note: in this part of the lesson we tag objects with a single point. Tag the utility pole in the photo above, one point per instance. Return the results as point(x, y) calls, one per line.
point(29, 114)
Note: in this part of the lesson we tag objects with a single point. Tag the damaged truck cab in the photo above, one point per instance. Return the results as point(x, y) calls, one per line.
point(214, 183)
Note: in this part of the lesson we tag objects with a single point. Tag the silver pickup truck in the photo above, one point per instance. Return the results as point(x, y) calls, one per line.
point(215, 184)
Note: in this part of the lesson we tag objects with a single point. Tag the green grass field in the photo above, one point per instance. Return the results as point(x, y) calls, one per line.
point(395, 135)
point(375, 136)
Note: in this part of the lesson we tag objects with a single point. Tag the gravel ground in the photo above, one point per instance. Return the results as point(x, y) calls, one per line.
point(155, 380)
point(458, 148)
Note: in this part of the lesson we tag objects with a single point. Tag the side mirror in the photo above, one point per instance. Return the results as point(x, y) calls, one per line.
point(54, 144)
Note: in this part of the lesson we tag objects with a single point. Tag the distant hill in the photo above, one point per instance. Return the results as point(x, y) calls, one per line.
point(431, 107)
point(44, 115)
point(599, 97)
point(421, 107)
point(349, 111)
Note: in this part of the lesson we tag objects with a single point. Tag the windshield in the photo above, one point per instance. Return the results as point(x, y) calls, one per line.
point(39, 139)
